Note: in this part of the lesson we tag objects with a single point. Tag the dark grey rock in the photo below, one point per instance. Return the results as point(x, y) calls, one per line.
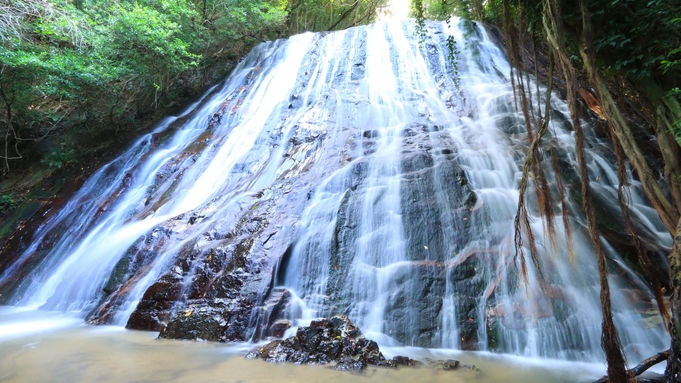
point(335, 340)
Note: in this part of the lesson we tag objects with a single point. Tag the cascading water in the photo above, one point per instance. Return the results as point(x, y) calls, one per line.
point(344, 172)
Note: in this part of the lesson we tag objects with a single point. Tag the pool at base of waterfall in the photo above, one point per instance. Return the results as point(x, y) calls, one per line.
point(53, 347)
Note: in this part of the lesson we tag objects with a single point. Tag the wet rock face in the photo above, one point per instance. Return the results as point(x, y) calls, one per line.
point(335, 340)
point(218, 293)
point(431, 182)
point(224, 285)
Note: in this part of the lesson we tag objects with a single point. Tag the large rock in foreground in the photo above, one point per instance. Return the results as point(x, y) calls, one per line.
point(335, 340)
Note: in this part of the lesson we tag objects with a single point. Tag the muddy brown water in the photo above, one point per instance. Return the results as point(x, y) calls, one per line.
point(53, 347)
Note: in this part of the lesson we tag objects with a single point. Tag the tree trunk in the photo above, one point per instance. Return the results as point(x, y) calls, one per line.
point(673, 371)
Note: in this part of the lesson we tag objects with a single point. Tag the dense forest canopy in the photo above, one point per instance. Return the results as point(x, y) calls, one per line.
point(102, 66)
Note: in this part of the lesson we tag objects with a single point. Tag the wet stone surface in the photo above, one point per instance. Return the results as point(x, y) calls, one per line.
point(335, 340)
point(339, 341)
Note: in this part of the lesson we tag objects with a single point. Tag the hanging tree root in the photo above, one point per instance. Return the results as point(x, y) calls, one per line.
point(643, 366)
point(531, 164)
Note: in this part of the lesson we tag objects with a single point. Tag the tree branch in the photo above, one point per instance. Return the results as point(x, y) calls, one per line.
point(643, 366)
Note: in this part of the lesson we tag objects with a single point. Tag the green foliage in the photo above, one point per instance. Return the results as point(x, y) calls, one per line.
point(59, 158)
point(7, 202)
point(672, 61)
point(419, 13)
point(453, 54)
point(638, 38)
point(468, 9)
point(325, 15)
point(105, 66)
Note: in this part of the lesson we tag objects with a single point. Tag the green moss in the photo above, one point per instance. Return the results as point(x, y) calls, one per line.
point(118, 274)
point(16, 215)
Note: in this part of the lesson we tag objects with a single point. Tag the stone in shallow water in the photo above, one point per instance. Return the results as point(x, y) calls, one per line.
point(449, 365)
point(348, 364)
point(405, 361)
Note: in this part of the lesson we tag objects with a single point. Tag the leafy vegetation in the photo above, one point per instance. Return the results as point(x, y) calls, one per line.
point(327, 15)
point(96, 70)
point(60, 157)
point(7, 202)
point(102, 67)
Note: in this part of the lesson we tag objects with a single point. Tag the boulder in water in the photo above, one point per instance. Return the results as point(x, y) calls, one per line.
point(450, 364)
point(335, 340)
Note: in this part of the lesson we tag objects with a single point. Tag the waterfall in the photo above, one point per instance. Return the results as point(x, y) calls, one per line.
point(364, 172)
